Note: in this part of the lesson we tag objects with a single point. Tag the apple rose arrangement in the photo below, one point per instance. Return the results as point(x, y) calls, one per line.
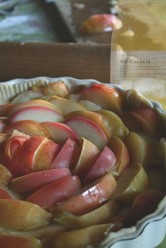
point(77, 163)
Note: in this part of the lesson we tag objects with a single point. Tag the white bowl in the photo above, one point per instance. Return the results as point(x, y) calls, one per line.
point(149, 231)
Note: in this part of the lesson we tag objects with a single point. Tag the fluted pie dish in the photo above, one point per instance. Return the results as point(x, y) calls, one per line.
point(82, 164)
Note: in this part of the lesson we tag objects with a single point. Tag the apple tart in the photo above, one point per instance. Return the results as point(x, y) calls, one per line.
point(81, 164)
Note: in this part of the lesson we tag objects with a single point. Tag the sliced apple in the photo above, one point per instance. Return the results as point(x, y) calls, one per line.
point(156, 179)
point(145, 203)
point(4, 194)
point(5, 176)
point(159, 152)
point(93, 116)
point(7, 241)
point(26, 96)
point(45, 155)
point(114, 123)
point(56, 191)
point(89, 105)
point(148, 120)
point(130, 122)
point(36, 113)
point(32, 103)
point(13, 144)
point(103, 164)
point(2, 126)
point(7, 193)
point(15, 168)
point(67, 155)
point(37, 153)
point(89, 198)
point(36, 180)
point(100, 215)
point(89, 236)
point(86, 157)
point(5, 109)
point(66, 105)
point(106, 96)
point(29, 127)
point(138, 148)
point(121, 153)
point(25, 155)
point(42, 233)
point(3, 137)
point(59, 132)
point(22, 215)
point(132, 181)
point(55, 88)
point(88, 129)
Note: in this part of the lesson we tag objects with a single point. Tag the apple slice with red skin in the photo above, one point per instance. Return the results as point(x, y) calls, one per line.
point(4, 194)
point(7, 241)
point(93, 116)
point(36, 113)
point(106, 96)
point(59, 132)
point(87, 155)
point(121, 153)
point(148, 120)
point(25, 155)
point(67, 155)
point(37, 153)
point(90, 198)
point(104, 163)
point(13, 144)
point(32, 103)
point(88, 129)
point(45, 155)
point(28, 127)
point(56, 191)
point(38, 179)
point(14, 168)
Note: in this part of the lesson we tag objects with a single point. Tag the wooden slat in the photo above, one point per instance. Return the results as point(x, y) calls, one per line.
point(59, 59)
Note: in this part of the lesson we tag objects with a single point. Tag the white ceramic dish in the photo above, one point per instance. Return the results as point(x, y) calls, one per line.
point(148, 232)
